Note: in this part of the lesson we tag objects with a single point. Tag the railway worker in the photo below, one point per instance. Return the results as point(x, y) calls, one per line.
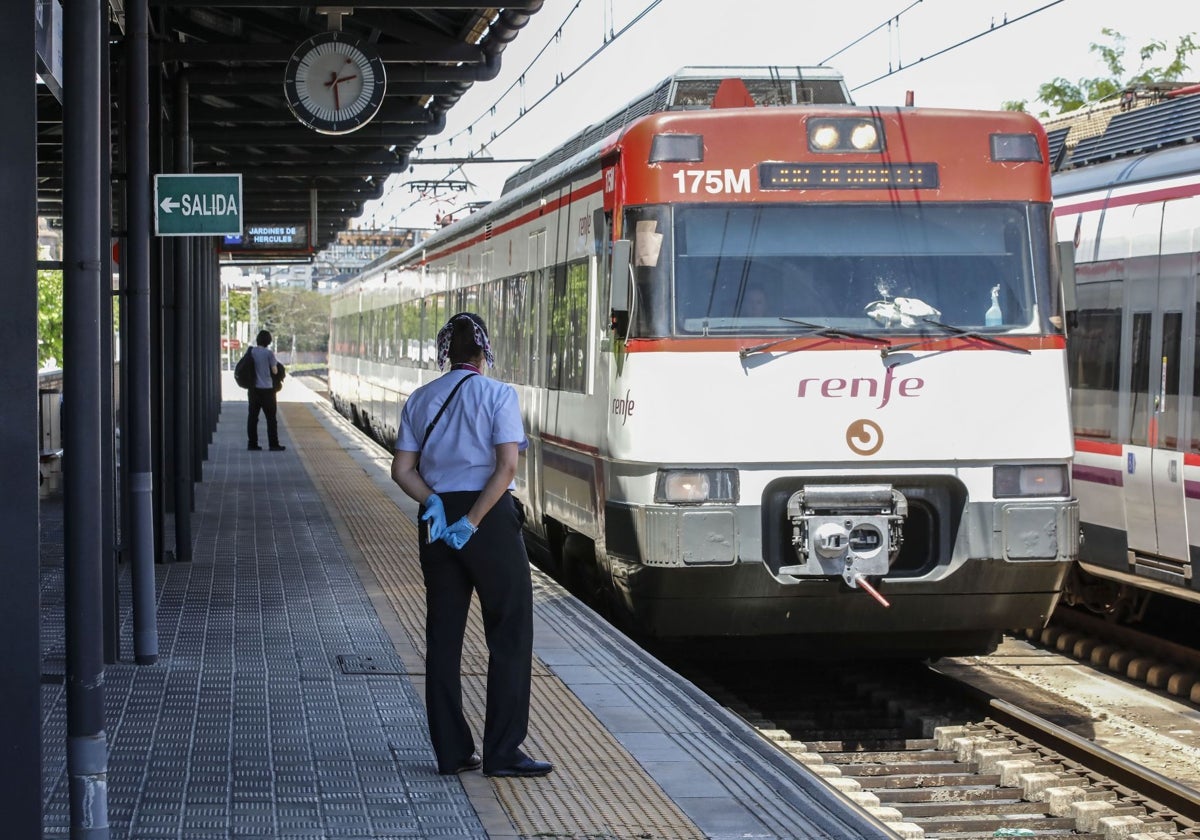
point(456, 453)
point(756, 304)
point(262, 395)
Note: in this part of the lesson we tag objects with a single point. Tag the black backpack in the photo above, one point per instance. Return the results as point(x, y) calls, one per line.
point(243, 371)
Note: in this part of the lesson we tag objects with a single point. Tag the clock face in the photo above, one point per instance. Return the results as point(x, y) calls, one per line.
point(334, 84)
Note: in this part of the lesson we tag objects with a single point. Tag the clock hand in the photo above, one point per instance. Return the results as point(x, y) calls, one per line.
point(347, 78)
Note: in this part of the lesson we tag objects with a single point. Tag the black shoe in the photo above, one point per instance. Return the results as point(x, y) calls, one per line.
point(524, 767)
point(472, 762)
point(254, 447)
point(278, 447)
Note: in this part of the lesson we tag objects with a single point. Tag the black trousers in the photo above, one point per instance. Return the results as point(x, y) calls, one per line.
point(494, 564)
point(262, 399)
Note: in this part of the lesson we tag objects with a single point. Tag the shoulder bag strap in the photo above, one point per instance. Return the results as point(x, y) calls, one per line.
point(441, 411)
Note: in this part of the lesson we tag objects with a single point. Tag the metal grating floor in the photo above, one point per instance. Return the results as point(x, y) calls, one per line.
point(597, 790)
point(247, 726)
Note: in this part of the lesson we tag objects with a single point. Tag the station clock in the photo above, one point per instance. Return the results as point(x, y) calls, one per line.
point(334, 83)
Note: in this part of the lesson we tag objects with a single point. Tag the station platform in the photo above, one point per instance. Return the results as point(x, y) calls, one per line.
point(287, 699)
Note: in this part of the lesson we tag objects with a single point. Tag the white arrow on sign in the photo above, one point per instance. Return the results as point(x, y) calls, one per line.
point(168, 204)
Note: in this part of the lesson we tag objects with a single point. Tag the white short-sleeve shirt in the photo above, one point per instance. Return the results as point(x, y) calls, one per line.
point(461, 451)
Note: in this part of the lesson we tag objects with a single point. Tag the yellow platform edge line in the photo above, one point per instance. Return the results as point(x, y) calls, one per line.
point(598, 790)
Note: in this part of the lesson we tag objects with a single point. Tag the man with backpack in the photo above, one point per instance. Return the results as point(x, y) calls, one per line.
point(261, 393)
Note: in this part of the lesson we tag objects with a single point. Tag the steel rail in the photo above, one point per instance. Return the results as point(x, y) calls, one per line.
point(1156, 787)
point(1183, 800)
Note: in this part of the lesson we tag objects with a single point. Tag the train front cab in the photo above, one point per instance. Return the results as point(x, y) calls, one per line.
point(968, 565)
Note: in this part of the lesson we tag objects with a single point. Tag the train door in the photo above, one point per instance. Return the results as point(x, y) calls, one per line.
point(1153, 488)
point(1138, 484)
point(535, 289)
point(1167, 467)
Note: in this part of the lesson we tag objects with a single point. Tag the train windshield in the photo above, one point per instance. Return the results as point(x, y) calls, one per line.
point(756, 270)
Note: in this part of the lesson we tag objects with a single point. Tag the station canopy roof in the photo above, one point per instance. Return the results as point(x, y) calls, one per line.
point(232, 55)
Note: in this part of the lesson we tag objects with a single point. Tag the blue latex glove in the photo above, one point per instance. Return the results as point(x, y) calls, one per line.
point(435, 515)
point(456, 535)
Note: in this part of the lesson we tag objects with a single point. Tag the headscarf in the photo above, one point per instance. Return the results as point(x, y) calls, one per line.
point(481, 338)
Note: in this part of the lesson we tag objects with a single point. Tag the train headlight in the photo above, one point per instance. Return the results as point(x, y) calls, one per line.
point(693, 487)
point(845, 134)
point(1012, 480)
point(864, 137)
point(823, 138)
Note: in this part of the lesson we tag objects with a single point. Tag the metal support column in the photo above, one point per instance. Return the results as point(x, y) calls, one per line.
point(20, 629)
point(108, 453)
point(87, 743)
point(160, 464)
point(184, 361)
point(199, 360)
point(137, 442)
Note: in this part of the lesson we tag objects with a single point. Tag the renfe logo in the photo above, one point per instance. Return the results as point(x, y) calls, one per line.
point(836, 387)
point(622, 408)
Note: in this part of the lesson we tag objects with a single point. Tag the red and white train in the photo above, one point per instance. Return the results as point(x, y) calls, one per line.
point(791, 368)
point(1131, 204)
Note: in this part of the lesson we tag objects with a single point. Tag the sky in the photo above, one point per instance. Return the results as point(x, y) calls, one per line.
point(883, 48)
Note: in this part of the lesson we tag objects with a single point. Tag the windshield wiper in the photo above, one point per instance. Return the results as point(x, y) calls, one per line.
point(959, 332)
point(812, 329)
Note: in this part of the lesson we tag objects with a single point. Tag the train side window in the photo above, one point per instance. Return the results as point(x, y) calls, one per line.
point(567, 329)
point(1139, 381)
point(412, 331)
point(1095, 368)
point(1168, 420)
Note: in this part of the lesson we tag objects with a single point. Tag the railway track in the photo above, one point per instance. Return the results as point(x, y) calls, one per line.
point(1137, 655)
point(934, 758)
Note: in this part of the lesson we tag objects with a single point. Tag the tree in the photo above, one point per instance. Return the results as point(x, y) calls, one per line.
point(236, 309)
point(1064, 95)
point(50, 317)
point(297, 318)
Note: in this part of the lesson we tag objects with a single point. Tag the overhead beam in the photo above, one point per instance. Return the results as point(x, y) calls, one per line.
point(269, 82)
point(416, 53)
point(310, 170)
point(458, 161)
point(342, 168)
point(389, 112)
point(369, 135)
point(393, 5)
point(303, 191)
point(403, 29)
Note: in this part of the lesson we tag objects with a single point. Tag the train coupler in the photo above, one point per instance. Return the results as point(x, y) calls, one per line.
point(848, 530)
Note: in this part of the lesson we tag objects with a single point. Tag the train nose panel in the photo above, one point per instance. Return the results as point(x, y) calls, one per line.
point(852, 530)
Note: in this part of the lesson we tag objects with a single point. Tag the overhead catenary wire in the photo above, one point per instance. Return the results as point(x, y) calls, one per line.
point(991, 29)
point(518, 83)
point(610, 37)
point(560, 79)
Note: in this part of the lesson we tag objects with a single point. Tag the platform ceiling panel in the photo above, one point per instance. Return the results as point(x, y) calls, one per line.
point(231, 59)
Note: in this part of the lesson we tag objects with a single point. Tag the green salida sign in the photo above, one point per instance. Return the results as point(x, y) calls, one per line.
point(197, 205)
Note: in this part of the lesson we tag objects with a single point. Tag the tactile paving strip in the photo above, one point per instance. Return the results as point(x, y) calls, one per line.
point(246, 726)
point(597, 789)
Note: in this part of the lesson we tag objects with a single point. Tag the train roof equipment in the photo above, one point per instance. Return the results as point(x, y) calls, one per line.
point(1137, 122)
point(696, 88)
